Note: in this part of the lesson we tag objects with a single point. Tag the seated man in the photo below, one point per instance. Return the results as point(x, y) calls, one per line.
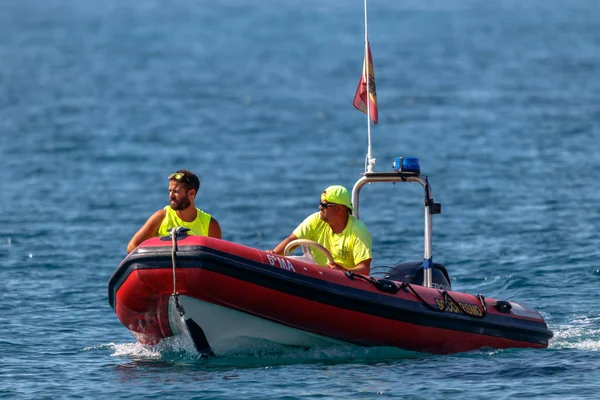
point(181, 211)
point(335, 228)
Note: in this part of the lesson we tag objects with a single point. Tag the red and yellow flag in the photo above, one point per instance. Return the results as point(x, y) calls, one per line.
point(360, 98)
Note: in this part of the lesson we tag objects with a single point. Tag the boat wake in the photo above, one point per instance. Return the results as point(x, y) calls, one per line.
point(258, 352)
point(180, 347)
point(582, 334)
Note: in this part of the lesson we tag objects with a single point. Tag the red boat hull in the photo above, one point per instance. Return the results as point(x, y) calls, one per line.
point(310, 298)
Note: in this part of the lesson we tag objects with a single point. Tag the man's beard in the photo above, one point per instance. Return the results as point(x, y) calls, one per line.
point(181, 205)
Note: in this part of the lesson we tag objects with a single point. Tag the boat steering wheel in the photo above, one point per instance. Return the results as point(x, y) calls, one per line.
point(306, 245)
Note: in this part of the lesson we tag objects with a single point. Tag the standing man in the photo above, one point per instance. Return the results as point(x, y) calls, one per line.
point(334, 227)
point(181, 211)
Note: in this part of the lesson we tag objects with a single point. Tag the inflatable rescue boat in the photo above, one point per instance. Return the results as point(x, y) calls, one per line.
point(220, 293)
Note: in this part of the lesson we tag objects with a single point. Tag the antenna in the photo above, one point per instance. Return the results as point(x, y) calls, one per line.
point(369, 161)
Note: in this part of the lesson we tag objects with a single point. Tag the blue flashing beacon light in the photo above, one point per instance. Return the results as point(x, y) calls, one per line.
point(407, 164)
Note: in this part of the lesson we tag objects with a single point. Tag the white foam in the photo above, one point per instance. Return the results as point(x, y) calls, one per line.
point(583, 334)
point(256, 349)
point(136, 350)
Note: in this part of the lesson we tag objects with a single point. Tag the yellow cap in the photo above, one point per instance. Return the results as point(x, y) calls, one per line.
point(338, 195)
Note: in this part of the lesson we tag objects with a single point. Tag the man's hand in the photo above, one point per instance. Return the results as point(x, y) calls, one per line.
point(335, 266)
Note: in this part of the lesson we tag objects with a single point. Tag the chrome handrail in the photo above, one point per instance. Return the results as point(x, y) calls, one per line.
point(430, 208)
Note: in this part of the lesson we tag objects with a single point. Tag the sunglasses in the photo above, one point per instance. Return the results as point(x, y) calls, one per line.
point(325, 205)
point(180, 176)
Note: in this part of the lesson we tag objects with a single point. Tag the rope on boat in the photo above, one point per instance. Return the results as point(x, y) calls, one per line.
point(195, 331)
point(447, 300)
point(174, 234)
point(392, 287)
point(381, 267)
point(426, 304)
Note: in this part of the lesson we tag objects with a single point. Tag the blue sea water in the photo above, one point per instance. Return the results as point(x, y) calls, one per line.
point(100, 101)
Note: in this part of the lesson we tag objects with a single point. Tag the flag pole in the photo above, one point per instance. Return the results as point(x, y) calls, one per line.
point(370, 161)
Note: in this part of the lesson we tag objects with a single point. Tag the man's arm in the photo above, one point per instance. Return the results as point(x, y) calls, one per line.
point(214, 229)
point(147, 231)
point(363, 267)
point(281, 246)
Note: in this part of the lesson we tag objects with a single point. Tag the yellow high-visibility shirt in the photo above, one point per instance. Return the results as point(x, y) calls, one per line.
point(198, 227)
point(348, 248)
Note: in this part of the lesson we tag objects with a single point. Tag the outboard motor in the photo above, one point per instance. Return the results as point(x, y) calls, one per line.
point(412, 272)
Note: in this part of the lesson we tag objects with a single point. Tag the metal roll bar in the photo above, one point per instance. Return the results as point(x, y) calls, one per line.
point(430, 208)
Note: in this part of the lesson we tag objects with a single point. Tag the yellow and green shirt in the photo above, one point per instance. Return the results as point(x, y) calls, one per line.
point(348, 248)
point(198, 227)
